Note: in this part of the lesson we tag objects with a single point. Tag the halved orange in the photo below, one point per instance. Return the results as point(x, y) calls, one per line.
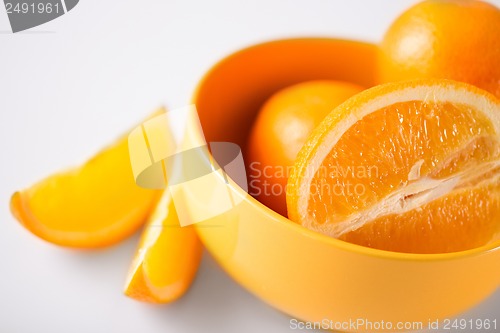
point(408, 166)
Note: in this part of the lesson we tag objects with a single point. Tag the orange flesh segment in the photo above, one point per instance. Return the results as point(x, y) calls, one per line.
point(400, 145)
point(433, 224)
point(167, 258)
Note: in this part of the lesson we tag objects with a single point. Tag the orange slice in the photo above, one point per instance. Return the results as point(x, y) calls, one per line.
point(409, 167)
point(94, 205)
point(167, 258)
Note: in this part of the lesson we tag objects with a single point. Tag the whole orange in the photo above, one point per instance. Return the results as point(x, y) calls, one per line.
point(280, 130)
point(450, 39)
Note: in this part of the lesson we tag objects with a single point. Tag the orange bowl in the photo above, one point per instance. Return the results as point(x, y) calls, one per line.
point(305, 274)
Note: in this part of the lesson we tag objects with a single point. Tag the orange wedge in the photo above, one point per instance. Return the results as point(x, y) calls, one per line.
point(94, 205)
point(409, 167)
point(167, 258)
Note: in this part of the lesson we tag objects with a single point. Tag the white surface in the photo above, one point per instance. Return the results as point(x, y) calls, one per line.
point(72, 85)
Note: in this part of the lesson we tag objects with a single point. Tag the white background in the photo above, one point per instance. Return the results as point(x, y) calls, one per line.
point(72, 85)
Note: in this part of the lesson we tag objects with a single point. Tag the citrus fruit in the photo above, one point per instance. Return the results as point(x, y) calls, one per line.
point(281, 128)
point(93, 205)
point(407, 166)
point(167, 258)
point(450, 39)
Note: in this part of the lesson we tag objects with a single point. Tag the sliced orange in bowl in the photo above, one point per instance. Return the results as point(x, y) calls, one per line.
point(408, 167)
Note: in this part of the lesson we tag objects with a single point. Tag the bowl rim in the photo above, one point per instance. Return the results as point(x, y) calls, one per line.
point(274, 217)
